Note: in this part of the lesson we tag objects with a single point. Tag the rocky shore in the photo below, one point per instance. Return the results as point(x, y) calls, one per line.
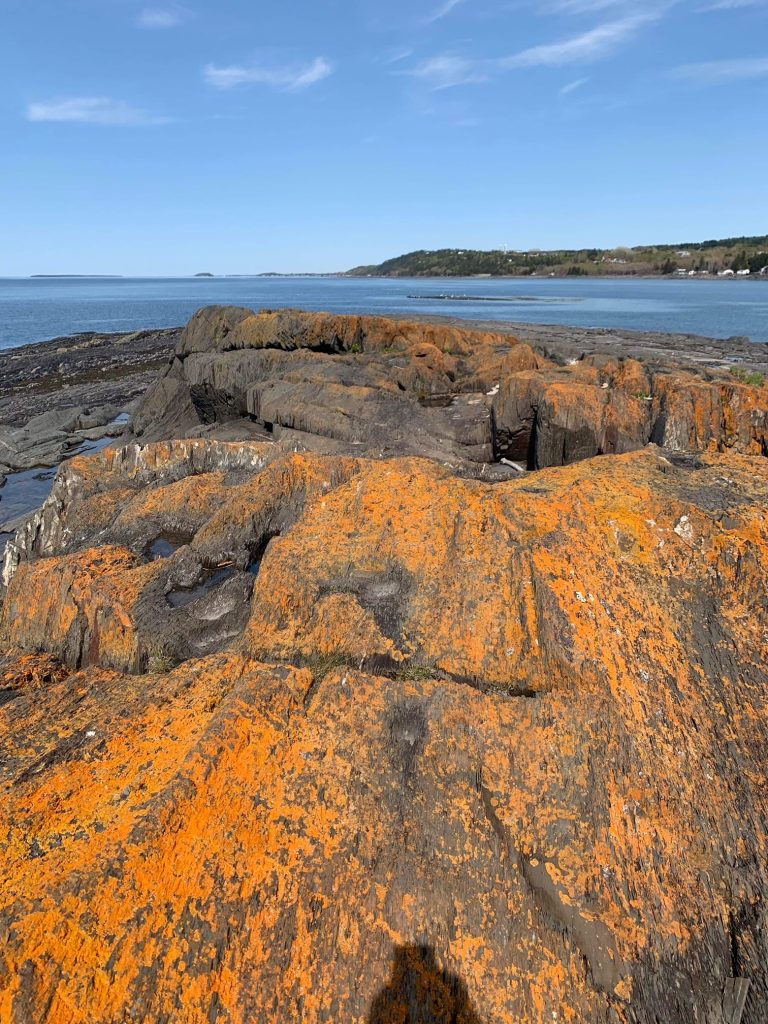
point(85, 381)
point(82, 370)
point(394, 671)
point(78, 394)
point(91, 370)
point(66, 396)
point(561, 342)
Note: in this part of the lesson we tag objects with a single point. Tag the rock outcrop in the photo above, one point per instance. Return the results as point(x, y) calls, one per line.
point(600, 406)
point(367, 385)
point(291, 733)
point(331, 383)
point(515, 726)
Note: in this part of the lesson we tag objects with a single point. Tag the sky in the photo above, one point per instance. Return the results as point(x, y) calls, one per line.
point(241, 136)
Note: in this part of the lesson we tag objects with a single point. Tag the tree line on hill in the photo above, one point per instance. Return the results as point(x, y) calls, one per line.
point(710, 257)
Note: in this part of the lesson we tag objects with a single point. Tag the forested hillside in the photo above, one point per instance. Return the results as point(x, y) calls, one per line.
point(710, 257)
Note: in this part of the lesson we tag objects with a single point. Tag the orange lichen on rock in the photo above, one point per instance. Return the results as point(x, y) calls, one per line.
point(29, 672)
point(499, 744)
point(460, 396)
point(298, 725)
point(78, 607)
point(222, 824)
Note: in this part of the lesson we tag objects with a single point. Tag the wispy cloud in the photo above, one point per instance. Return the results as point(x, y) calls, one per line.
point(715, 71)
point(573, 86)
point(731, 5)
point(590, 46)
point(585, 6)
point(92, 110)
point(443, 10)
point(289, 77)
point(396, 56)
point(447, 70)
point(444, 71)
point(625, 8)
point(162, 17)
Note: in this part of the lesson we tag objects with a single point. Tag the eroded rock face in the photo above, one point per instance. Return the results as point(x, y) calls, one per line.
point(343, 384)
point(431, 746)
point(369, 385)
point(602, 406)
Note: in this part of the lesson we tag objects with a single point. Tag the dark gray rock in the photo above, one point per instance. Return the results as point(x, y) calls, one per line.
point(314, 381)
point(81, 371)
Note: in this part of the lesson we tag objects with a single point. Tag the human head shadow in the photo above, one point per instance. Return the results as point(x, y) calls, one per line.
point(419, 992)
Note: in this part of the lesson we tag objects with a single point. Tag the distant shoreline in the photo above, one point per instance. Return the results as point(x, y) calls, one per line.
point(391, 277)
point(536, 277)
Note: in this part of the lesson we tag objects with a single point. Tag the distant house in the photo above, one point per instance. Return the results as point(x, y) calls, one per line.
point(742, 273)
point(764, 270)
point(683, 252)
point(727, 273)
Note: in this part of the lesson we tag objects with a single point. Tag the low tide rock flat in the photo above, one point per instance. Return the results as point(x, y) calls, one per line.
point(318, 723)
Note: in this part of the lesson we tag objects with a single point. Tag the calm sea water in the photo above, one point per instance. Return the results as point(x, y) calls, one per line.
point(34, 310)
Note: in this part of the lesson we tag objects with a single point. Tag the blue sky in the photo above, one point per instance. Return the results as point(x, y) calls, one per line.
point(242, 136)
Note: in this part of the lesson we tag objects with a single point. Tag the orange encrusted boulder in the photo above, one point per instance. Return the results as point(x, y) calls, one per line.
point(293, 737)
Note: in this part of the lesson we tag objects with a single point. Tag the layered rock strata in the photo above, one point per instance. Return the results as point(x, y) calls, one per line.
point(366, 385)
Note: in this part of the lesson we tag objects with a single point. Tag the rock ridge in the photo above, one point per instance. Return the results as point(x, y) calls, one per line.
point(465, 397)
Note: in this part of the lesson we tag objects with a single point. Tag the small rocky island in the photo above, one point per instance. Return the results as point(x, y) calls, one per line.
point(393, 671)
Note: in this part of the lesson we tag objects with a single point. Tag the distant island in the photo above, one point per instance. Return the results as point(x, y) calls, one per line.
point(728, 257)
point(205, 274)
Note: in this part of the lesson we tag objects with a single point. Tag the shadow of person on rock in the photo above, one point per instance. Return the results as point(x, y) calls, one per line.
point(419, 992)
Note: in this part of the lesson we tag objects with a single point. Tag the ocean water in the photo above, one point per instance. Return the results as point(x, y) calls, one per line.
point(34, 310)
point(25, 491)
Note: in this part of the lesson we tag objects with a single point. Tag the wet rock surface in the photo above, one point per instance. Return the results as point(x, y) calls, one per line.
point(83, 370)
point(24, 490)
point(66, 396)
point(291, 730)
point(47, 439)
